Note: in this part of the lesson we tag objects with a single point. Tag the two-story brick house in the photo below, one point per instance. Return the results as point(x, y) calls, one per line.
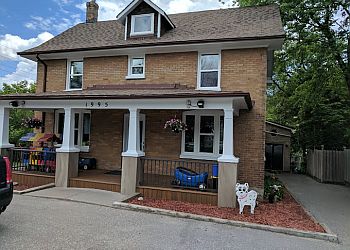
point(108, 87)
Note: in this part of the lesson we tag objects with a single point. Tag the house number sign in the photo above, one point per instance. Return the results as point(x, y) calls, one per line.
point(97, 104)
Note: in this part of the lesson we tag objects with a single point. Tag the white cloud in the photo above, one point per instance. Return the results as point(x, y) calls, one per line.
point(11, 44)
point(25, 69)
point(52, 23)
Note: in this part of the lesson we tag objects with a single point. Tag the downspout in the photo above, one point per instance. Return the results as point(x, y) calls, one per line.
point(44, 89)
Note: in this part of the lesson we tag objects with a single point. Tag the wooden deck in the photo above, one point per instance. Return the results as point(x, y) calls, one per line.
point(33, 178)
point(96, 179)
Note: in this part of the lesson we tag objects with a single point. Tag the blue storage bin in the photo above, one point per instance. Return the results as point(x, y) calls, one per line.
point(215, 170)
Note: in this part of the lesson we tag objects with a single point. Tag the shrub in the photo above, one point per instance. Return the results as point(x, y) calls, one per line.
point(270, 181)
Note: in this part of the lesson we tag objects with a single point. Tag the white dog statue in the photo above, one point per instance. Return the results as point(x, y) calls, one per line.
point(246, 198)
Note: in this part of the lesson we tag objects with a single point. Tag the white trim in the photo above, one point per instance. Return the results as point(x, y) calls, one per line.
point(126, 29)
point(133, 4)
point(211, 103)
point(132, 28)
point(159, 25)
point(68, 88)
point(136, 76)
point(199, 71)
point(196, 154)
point(208, 157)
point(159, 49)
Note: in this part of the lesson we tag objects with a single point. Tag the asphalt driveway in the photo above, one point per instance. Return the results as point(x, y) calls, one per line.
point(39, 223)
point(329, 204)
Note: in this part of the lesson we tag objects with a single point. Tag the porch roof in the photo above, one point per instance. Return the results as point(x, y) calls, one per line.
point(121, 93)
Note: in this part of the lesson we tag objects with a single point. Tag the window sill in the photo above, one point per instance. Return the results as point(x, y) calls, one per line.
point(73, 89)
point(141, 33)
point(208, 157)
point(135, 77)
point(209, 88)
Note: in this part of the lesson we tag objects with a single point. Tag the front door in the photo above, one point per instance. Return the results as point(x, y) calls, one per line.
point(142, 132)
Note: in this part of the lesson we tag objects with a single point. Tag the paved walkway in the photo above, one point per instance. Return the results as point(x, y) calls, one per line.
point(91, 196)
point(329, 204)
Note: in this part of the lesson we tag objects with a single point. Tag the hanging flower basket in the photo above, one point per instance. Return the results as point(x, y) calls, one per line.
point(176, 125)
point(32, 123)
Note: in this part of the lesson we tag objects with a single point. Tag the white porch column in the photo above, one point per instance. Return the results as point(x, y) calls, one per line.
point(133, 149)
point(4, 128)
point(67, 155)
point(131, 156)
point(68, 132)
point(227, 165)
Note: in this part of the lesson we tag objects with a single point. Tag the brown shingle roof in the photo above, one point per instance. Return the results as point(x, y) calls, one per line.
point(213, 25)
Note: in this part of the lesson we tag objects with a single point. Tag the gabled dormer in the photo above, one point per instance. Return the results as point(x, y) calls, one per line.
point(143, 18)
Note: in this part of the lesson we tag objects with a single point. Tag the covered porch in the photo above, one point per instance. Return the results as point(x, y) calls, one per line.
point(143, 167)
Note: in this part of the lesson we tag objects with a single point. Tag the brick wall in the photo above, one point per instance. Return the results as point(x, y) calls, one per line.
point(160, 68)
point(242, 70)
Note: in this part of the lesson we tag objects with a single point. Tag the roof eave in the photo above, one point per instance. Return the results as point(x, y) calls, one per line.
point(27, 53)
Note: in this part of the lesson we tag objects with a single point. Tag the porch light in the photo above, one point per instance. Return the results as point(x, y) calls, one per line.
point(200, 104)
point(14, 104)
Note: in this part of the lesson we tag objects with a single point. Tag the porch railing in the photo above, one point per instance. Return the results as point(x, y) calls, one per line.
point(33, 160)
point(182, 174)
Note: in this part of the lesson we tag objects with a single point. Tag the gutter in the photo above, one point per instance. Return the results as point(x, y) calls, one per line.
point(45, 72)
point(44, 90)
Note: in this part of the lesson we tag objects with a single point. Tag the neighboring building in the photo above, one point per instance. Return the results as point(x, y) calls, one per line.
point(278, 147)
point(109, 87)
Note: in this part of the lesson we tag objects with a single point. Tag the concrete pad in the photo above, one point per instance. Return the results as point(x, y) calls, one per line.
point(328, 203)
point(85, 195)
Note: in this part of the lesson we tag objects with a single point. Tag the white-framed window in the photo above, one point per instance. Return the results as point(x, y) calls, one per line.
point(82, 128)
point(209, 71)
point(203, 138)
point(136, 68)
point(142, 24)
point(75, 70)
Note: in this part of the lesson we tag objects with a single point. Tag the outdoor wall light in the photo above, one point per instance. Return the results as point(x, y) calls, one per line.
point(200, 104)
point(14, 104)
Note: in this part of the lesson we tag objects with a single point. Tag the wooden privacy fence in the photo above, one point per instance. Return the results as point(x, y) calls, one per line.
point(331, 166)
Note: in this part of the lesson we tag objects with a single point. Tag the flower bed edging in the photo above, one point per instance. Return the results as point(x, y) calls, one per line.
point(288, 231)
point(29, 190)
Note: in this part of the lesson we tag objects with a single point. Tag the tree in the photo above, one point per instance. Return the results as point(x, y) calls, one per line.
point(17, 130)
point(311, 83)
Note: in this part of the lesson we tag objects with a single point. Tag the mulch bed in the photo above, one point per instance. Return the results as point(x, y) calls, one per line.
point(286, 213)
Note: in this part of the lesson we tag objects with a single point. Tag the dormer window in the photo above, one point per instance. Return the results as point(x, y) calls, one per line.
point(142, 24)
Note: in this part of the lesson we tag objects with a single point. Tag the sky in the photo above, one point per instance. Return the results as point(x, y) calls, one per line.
point(27, 23)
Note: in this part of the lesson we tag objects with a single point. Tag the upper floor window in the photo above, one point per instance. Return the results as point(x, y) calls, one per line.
point(142, 24)
point(209, 71)
point(75, 75)
point(136, 67)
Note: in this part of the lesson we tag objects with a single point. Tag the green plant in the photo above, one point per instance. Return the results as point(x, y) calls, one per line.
point(271, 180)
